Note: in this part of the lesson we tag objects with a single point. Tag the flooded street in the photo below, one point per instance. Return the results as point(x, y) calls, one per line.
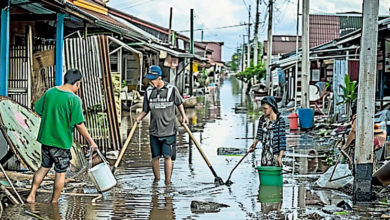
point(215, 124)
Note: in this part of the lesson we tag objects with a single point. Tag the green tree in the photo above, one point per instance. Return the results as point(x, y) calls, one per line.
point(252, 72)
point(235, 63)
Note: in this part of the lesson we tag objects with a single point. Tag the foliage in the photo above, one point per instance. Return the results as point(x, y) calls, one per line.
point(202, 78)
point(124, 84)
point(349, 90)
point(251, 72)
point(235, 63)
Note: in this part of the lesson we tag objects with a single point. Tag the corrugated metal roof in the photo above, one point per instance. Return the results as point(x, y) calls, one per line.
point(32, 7)
point(349, 24)
point(282, 44)
point(323, 28)
point(326, 28)
point(170, 51)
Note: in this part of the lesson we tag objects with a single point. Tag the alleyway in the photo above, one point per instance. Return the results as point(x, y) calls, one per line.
point(216, 125)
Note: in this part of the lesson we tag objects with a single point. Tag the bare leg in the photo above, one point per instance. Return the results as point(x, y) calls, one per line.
point(156, 168)
point(38, 177)
point(168, 167)
point(58, 186)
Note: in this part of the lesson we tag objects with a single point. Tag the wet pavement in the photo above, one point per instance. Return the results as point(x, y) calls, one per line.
point(215, 122)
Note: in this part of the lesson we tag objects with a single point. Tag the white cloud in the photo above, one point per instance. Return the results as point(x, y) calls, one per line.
point(219, 13)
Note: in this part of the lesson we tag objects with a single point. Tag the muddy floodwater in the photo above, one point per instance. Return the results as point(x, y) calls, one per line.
point(226, 118)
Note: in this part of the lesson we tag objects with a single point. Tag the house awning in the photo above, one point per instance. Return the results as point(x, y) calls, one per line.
point(170, 51)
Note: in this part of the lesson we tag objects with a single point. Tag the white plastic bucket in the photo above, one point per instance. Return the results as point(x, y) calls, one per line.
point(101, 174)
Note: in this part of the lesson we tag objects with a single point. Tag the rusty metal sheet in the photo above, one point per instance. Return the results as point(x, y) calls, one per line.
point(20, 127)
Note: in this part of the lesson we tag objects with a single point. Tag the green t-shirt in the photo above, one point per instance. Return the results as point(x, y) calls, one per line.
point(60, 111)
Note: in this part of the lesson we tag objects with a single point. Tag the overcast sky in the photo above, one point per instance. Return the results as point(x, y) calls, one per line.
point(211, 14)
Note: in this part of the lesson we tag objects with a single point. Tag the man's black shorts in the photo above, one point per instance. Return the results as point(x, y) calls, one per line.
point(60, 157)
point(163, 146)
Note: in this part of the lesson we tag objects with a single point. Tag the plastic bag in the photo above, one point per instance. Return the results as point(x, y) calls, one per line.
point(341, 177)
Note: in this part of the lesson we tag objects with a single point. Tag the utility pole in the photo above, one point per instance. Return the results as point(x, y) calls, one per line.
point(243, 52)
point(297, 62)
point(269, 46)
point(170, 26)
point(305, 56)
point(362, 187)
point(256, 32)
point(249, 38)
point(191, 49)
point(201, 38)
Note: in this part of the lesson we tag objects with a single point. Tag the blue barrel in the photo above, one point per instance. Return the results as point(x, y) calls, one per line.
point(306, 117)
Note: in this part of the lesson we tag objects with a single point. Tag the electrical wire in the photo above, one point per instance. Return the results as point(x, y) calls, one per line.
point(247, 8)
point(216, 28)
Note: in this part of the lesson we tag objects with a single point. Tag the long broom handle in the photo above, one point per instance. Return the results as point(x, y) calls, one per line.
point(125, 146)
point(196, 144)
point(237, 165)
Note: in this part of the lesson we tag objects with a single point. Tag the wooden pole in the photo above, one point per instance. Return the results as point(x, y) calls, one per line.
point(366, 103)
point(305, 56)
point(269, 47)
point(30, 62)
point(125, 146)
point(10, 183)
point(9, 195)
point(217, 178)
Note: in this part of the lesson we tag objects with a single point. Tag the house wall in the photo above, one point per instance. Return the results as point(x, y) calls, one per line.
point(217, 48)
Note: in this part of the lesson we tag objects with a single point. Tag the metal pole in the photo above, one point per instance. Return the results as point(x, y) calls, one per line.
point(4, 47)
point(191, 50)
point(305, 56)
point(269, 48)
point(256, 38)
point(366, 103)
point(170, 26)
point(249, 39)
point(297, 62)
point(243, 53)
point(59, 48)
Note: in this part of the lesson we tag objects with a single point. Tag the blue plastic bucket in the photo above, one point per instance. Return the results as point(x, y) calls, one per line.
point(306, 117)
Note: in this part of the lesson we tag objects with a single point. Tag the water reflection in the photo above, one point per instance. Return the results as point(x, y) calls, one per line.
point(271, 198)
point(162, 205)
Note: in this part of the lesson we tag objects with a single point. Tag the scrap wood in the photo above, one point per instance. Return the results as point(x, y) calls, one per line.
point(71, 194)
point(82, 171)
point(98, 197)
point(385, 216)
point(9, 195)
point(34, 215)
point(12, 185)
point(21, 176)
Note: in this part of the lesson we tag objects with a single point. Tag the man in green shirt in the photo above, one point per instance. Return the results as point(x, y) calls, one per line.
point(60, 110)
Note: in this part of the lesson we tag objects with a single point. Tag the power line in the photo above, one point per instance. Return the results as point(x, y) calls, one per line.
point(137, 3)
point(247, 8)
point(216, 28)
